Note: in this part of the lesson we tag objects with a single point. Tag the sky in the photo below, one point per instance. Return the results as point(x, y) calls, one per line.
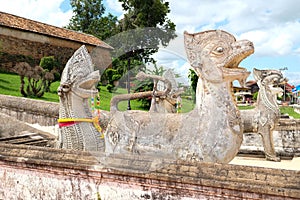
point(273, 27)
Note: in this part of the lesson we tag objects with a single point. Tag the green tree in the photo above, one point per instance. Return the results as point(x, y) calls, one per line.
point(157, 70)
point(51, 71)
point(146, 13)
point(135, 38)
point(144, 27)
point(112, 77)
point(89, 18)
point(194, 80)
point(32, 79)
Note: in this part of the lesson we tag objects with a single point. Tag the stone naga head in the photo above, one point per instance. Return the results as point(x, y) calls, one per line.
point(215, 55)
point(79, 76)
point(269, 80)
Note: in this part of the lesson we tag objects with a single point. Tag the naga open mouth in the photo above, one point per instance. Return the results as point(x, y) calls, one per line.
point(241, 50)
point(277, 79)
point(89, 83)
point(87, 86)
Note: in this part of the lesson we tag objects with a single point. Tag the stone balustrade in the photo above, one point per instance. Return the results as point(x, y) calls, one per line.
point(30, 110)
point(286, 136)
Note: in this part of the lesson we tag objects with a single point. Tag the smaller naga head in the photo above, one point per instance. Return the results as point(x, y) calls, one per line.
point(79, 76)
point(215, 55)
point(270, 80)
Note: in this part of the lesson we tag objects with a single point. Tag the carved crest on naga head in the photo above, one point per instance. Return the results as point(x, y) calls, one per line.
point(79, 76)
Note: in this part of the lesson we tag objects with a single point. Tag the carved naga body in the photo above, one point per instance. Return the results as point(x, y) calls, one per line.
point(171, 102)
point(264, 117)
point(162, 100)
point(155, 93)
point(78, 128)
point(213, 130)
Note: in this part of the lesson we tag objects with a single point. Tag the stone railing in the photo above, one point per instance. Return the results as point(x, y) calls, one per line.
point(286, 136)
point(289, 132)
point(29, 110)
point(45, 173)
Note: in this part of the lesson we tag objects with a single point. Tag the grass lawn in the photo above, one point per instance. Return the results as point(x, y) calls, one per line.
point(105, 97)
point(283, 109)
point(289, 110)
point(245, 107)
point(10, 85)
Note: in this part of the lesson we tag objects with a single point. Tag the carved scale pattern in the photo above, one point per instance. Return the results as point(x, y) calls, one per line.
point(74, 103)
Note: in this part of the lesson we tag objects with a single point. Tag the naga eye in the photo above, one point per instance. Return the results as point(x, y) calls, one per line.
point(219, 49)
point(65, 86)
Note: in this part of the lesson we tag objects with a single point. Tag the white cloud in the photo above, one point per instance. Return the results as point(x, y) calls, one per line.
point(173, 57)
point(294, 77)
point(114, 5)
point(40, 10)
point(277, 40)
point(273, 27)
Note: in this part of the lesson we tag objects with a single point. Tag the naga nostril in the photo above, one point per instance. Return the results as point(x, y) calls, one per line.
point(250, 44)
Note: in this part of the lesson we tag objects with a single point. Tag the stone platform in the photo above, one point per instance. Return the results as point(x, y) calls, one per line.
point(256, 161)
point(28, 172)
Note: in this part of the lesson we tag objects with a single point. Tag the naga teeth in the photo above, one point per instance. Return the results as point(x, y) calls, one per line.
point(242, 82)
point(242, 79)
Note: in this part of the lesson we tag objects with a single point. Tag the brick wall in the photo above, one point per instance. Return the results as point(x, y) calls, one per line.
point(16, 42)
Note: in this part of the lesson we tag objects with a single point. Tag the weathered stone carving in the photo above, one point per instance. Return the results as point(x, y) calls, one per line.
point(170, 102)
point(213, 130)
point(155, 93)
point(163, 98)
point(264, 117)
point(76, 121)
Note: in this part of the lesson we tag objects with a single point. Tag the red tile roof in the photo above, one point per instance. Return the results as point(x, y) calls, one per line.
point(250, 83)
point(289, 87)
point(21, 23)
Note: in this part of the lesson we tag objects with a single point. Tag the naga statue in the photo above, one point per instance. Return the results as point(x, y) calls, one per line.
point(79, 129)
point(213, 131)
point(264, 117)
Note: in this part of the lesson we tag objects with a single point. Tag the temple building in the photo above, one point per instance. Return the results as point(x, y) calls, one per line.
point(25, 40)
